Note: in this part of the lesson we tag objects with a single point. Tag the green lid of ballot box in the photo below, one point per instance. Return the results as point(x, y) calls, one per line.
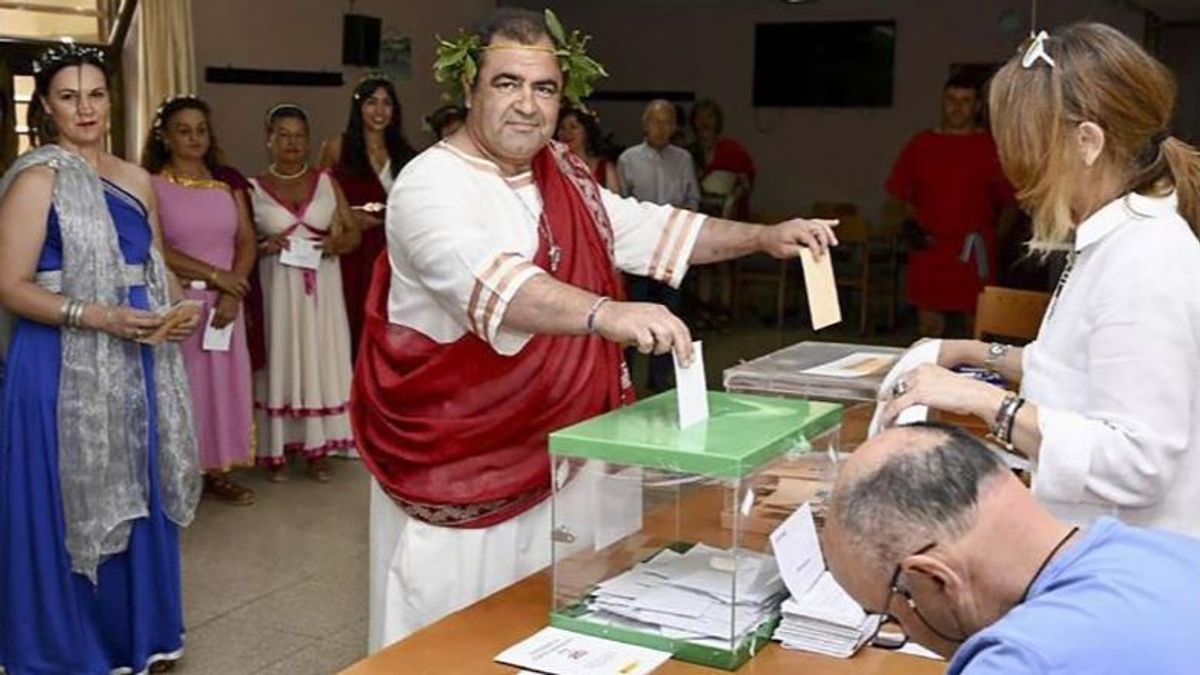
point(742, 433)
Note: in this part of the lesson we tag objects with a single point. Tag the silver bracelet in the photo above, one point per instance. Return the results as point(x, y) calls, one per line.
point(76, 318)
point(591, 317)
point(1002, 426)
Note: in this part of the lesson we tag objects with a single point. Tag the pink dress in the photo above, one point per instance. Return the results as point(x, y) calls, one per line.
point(199, 218)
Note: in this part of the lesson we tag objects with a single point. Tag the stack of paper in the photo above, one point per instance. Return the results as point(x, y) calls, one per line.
point(707, 596)
point(820, 616)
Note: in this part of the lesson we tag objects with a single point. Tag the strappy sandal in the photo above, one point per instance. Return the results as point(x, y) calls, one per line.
point(220, 486)
point(318, 470)
point(164, 666)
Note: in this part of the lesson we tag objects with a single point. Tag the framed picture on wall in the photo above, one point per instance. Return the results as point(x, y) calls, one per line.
point(395, 56)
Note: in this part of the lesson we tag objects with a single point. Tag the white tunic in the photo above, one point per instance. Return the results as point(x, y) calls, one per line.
point(1115, 372)
point(461, 240)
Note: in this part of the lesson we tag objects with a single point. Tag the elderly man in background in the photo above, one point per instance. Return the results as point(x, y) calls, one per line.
point(928, 526)
point(657, 172)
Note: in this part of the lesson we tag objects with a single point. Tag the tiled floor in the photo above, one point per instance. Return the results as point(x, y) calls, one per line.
point(281, 587)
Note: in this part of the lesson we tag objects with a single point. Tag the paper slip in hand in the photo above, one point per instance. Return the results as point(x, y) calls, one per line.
point(302, 253)
point(691, 388)
point(926, 352)
point(821, 289)
point(177, 314)
point(217, 339)
point(560, 652)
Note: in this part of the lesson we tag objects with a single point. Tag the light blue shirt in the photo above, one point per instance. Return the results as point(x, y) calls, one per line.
point(664, 176)
point(1121, 601)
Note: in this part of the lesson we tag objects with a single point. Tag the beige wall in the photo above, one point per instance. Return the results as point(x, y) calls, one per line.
point(804, 154)
point(307, 35)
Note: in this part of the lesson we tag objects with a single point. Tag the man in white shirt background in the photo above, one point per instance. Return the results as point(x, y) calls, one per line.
point(660, 173)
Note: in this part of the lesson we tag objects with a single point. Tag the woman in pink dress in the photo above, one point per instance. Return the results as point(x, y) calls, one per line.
point(210, 246)
point(580, 130)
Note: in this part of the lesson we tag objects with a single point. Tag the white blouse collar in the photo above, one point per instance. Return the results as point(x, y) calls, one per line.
point(1119, 211)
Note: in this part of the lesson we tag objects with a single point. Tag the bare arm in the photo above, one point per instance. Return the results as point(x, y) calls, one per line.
point(246, 249)
point(331, 152)
point(548, 306)
point(974, 353)
point(23, 214)
point(726, 239)
point(344, 233)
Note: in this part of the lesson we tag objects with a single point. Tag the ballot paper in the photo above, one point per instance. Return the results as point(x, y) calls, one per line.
point(216, 339)
point(560, 652)
point(691, 596)
point(925, 352)
point(302, 253)
point(819, 616)
point(821, 289)
point(858, 364)
point(691, 388)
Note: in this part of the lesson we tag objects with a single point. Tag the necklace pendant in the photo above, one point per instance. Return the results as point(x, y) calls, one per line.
point(555, 257)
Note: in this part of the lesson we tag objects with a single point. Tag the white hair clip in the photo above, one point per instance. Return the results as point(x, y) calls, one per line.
point(1037, 50)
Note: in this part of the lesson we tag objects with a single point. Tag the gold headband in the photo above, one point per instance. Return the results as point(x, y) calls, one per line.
point(521, 48)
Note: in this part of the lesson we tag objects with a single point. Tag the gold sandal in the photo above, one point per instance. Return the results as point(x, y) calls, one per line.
point(220, 486)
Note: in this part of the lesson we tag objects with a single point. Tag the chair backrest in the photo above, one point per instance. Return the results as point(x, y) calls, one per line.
point(1009, 312)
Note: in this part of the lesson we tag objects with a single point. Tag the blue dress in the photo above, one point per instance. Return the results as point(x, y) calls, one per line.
point(53, 620)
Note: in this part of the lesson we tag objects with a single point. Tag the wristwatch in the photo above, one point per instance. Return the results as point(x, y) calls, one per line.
point(995, 354)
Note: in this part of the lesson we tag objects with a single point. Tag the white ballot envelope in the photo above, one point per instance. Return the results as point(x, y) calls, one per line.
point(217, 339)
point(302, 253)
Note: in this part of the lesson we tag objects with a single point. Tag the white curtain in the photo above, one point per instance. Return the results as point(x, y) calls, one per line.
point(166, 62)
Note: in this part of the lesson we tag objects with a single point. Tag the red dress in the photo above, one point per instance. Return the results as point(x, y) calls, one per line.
point(729, 155)
point(356, 265)
point(955, 184)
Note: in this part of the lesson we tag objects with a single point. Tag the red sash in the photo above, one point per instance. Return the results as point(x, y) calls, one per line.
point(457, 433)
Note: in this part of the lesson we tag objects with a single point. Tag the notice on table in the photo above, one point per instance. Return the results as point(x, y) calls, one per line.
point(559, 652)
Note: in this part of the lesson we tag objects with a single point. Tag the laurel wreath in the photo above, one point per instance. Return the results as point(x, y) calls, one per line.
point(458, 62)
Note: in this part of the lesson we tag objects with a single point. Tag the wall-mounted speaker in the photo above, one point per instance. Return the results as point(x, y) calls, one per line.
point(360, 40)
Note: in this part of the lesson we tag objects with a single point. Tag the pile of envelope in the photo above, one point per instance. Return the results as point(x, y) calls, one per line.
point(707, 596)
point(825, 620)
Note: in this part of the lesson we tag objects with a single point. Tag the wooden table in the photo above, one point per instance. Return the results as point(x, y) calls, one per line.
point(466, 642)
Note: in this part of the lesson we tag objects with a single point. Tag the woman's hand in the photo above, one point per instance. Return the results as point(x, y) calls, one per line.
point(960, 353)
point(226, 311)
point(274, 244)
point(229, 283)
point(121, 321)
point(366, 220)
point(184, 329)
point(943, 390)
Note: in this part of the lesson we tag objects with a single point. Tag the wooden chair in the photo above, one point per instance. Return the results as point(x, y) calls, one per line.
point(763, 270)
point(852, 263)
point(1010, 313)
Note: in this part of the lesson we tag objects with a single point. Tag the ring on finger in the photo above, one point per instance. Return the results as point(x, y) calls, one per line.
point(899, 389)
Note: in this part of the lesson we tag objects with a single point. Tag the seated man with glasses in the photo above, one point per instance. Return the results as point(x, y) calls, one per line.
point(929, 527)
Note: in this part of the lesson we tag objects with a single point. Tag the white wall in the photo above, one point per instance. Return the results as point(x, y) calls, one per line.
point(803, 155)
point(307, 35)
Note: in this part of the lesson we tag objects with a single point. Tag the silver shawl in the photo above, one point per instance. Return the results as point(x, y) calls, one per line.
point(104, 421)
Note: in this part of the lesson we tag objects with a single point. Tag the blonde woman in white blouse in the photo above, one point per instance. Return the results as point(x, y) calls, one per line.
point(1109, 406)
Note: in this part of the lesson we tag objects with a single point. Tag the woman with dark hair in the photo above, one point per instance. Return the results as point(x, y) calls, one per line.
point(303, 223)
point(210, 246)
point(580, 130)
point(98, 469)
point(446, 120)
point(365, 159)
point(723, 166)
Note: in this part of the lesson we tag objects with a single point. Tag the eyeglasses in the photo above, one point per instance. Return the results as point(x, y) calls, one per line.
point(895, 639)
point(1036, 50)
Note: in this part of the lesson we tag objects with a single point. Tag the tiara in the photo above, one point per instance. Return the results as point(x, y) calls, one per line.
point(162, 107)
point(67, 53)
point(286, 106)
point(373, 75)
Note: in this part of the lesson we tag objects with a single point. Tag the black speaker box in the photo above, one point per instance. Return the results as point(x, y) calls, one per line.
point(360, 40)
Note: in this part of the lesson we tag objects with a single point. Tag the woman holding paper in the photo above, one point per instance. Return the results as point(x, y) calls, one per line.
point(210, 246)
point(98, 459)
point(1109, 406)
point(302, 218)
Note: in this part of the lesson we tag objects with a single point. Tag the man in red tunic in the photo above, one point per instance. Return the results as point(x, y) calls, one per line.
point(949, 182)
point(495, 319)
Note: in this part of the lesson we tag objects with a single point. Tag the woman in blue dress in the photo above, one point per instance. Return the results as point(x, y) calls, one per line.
point(97, 453)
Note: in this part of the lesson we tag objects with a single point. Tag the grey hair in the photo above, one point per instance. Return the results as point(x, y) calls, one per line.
point(656, 104)
point(917, 497)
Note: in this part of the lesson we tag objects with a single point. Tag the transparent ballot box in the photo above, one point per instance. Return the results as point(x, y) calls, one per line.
point(824, 371)
point(653, 542)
